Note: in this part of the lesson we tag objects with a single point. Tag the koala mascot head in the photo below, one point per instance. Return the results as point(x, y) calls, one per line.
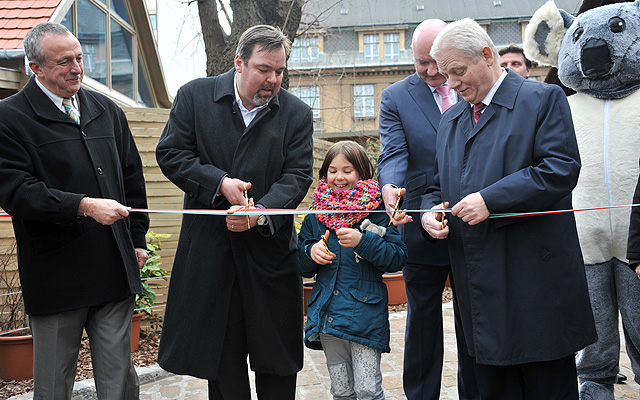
point(597, 53)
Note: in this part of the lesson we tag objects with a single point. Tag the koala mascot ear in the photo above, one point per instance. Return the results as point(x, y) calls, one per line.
point(544, 33)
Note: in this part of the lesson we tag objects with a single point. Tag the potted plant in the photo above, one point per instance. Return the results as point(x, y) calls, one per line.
point(395, 288)
point(147, 298)
point(16, 342)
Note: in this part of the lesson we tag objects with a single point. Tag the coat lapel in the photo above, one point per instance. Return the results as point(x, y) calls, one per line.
point(421, 94)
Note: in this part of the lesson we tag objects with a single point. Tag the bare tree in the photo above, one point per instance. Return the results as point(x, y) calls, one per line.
point(220, 48)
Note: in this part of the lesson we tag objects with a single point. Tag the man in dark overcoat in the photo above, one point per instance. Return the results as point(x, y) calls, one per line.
point(68, 167)
point(510, 147)
point(234, 290)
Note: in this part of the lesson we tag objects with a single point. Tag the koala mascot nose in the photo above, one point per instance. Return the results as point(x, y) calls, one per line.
point(596, 58)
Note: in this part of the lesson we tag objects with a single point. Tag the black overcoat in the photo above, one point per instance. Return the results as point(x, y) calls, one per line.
point(47, 165)
point(205, 140)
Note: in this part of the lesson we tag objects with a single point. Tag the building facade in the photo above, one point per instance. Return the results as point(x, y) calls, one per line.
point(347, 52)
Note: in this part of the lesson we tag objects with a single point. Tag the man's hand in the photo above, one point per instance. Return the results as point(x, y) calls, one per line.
point(348, 237)
point(390, 196)
point(638, 270)
point(142, 256)
point(471, 209)
point(434, 223)
point(104, 211)
point(233, 189)
point(241, 223)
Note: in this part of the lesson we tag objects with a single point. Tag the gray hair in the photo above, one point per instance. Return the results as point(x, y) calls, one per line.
point(265, 36)
point(31, 41)
point(466, 36)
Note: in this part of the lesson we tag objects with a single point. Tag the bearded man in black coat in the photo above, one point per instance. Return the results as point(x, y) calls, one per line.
point(68, 167)
point(234, 290)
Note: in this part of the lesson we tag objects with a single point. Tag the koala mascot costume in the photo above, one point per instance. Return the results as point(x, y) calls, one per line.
point(598, 55)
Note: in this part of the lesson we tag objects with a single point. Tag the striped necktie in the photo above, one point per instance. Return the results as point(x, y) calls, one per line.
point(71, 112)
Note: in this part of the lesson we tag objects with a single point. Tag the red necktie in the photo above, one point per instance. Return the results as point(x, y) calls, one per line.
point(445, 91)
point(477, 111)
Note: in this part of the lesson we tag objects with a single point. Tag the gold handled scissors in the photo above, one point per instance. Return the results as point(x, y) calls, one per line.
point(246, 203)
point(395, 207)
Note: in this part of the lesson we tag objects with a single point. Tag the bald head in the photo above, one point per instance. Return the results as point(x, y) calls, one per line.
point(421, 43)
point(426, 32)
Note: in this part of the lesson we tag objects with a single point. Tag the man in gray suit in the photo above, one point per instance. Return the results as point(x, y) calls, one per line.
point(409, 116)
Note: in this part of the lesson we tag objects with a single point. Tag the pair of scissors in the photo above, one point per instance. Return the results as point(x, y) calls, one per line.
point(395, 207)
point(246, 203)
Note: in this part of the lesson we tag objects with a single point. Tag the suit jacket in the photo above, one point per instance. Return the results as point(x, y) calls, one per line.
point(204, 140)
point(47, 165)
point(520, 282)
point(409, 119)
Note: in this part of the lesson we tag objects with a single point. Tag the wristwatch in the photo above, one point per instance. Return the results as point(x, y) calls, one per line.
point(262, 220)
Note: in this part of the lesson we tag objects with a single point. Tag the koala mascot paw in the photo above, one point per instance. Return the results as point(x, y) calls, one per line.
point(367, 225)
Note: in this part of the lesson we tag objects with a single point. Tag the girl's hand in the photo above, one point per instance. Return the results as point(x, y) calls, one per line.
point(348, 237)
point(319, 254)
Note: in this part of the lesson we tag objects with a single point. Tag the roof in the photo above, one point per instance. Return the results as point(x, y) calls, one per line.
point(362, 13)
point(17, 17)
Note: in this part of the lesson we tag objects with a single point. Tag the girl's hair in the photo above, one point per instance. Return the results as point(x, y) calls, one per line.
point(354, 153)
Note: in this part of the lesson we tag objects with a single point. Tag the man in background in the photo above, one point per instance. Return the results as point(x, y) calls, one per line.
point(512, 57)
point(410, 113)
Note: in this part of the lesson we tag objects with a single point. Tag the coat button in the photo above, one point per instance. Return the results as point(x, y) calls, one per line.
point(99, 171)
point(336, 292)
point(365, 298)
point(330, 319)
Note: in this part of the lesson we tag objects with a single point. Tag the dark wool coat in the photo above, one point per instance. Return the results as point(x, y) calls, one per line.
point(47, 165)
point(205, 139)
point(520, 282)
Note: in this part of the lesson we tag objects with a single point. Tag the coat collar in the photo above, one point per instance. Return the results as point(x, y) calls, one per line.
point(504, 97)
point(43, 107)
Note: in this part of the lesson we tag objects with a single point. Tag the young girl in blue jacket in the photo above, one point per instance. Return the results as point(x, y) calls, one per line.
point(347, 315)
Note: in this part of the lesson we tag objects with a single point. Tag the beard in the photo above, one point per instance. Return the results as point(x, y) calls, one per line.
point(259, 100)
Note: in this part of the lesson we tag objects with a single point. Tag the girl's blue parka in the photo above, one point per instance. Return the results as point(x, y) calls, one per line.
point(349, 299)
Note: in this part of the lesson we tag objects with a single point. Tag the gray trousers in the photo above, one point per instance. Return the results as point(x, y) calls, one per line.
point(56, 340)
point(354, 369)
point(613, 287)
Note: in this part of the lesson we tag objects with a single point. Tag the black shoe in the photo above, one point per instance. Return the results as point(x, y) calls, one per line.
point(621, 378)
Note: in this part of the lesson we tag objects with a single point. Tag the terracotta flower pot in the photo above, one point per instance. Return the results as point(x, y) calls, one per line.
point(16, 357)
point(135, 331)
point(395, 288)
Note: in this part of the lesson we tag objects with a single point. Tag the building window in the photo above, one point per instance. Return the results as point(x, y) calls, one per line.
point(92, 29)
point(363, 101)
point(305, 49)
point(122, 60)
point(310, 95)
point(371, 47)
point(391, 46)
point(109, 46)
